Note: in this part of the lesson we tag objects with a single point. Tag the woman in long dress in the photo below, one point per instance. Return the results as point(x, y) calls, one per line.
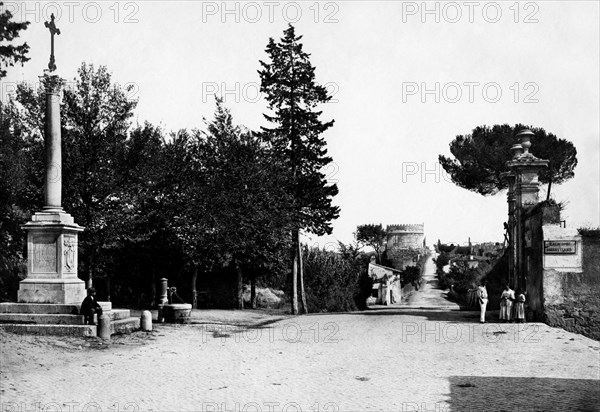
point(520, 307)
point(506, 304)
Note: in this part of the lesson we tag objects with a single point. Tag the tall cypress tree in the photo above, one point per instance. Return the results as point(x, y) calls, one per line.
point(288, 82)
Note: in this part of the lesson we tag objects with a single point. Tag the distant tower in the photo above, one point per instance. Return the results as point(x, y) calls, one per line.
point(404, 242)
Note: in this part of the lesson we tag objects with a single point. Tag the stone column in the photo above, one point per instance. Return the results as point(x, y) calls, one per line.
point(52, 139)
point(52, 233)
point(525, 168)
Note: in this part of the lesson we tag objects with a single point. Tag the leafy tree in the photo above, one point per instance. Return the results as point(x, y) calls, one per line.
point(288, 81)
point(372, 235)
point(230, 205)
point(19, 187)
point(247, 197)
point(480, 157)
point(11, 54)
point(141, 248)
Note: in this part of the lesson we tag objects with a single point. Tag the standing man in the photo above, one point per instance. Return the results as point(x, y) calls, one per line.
point(483, 299)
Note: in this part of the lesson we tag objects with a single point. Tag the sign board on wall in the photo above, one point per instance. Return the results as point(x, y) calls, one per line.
point(560, 247)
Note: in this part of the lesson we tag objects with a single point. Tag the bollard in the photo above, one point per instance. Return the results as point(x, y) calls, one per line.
point(163, 291)
point(146, 321)
point(103, 328)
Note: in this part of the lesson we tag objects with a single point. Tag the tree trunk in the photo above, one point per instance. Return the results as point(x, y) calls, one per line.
point(253, 291)
point(549, 187)
point(194, 293)
point(295, 273)
point(301, 277)
point(239, 286)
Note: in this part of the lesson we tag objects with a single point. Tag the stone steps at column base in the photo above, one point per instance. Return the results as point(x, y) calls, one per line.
point(40, 308)
point(119, 314)
point(127, 325)
point(41, 319)
point(46, 330)
point(120, 326)
point(57, 319)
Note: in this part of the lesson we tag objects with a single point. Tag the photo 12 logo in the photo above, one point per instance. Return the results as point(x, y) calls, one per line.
point(469, 92)
point(72, 11)
point(8, 90)
point(423, 172)
point(268, 407)
point(271, 11)
point(68, 406)
point(290, 332)
point(248, 92)
point(469, 11)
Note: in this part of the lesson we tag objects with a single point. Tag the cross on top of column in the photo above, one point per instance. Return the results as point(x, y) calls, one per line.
point(53, 31)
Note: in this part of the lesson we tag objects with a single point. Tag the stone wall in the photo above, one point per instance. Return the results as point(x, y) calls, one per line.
point(572, 298)
point(563, 289)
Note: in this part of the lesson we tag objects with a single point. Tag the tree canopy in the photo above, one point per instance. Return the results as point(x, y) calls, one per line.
point(11, 54)
point(373, 235)
point(295, 135)
point(292, 93)
point(480, 157)
point(220, 202)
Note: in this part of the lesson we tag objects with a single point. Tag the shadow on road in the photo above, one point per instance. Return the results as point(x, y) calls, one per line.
point(494, 393)
point(457, 316)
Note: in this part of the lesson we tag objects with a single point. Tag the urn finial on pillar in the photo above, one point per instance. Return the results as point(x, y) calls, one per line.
point(525, 135)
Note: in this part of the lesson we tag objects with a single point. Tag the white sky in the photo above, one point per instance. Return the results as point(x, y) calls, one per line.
point(371, 55)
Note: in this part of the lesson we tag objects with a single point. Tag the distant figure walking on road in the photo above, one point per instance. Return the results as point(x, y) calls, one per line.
point(482, 295)
point(520, 307)
point(506, 303)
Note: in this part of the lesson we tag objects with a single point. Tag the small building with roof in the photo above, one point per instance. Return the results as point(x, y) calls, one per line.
point(387, 287)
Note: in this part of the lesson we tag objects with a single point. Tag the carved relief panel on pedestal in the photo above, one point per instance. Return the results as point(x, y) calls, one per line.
point(70, 253)
point(44, 253)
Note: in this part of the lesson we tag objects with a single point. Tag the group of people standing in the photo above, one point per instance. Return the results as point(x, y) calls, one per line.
point(512, 305)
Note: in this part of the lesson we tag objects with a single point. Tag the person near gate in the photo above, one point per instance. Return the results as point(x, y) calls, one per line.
point(506, 304)
point(482, 296)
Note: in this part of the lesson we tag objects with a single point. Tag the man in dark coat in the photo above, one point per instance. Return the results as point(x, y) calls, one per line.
point(90, 307)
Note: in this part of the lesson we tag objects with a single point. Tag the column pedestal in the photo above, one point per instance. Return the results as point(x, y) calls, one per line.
point(52, 260)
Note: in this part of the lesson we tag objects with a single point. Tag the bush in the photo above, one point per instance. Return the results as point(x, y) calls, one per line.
point(411, 274)
point(336, 282)
point(265, 297)
point(462, 279)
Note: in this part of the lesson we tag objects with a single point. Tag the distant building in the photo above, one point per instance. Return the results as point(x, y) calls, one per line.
point(488, 249)
point(468, 262)
point(405, 244)
point(386, 284)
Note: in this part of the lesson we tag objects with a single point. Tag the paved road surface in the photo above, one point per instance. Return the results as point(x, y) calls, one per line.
point(380, 360)
point(429, 296)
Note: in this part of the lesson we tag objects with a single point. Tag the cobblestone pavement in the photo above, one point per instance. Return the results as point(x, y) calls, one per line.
point(388, 359)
